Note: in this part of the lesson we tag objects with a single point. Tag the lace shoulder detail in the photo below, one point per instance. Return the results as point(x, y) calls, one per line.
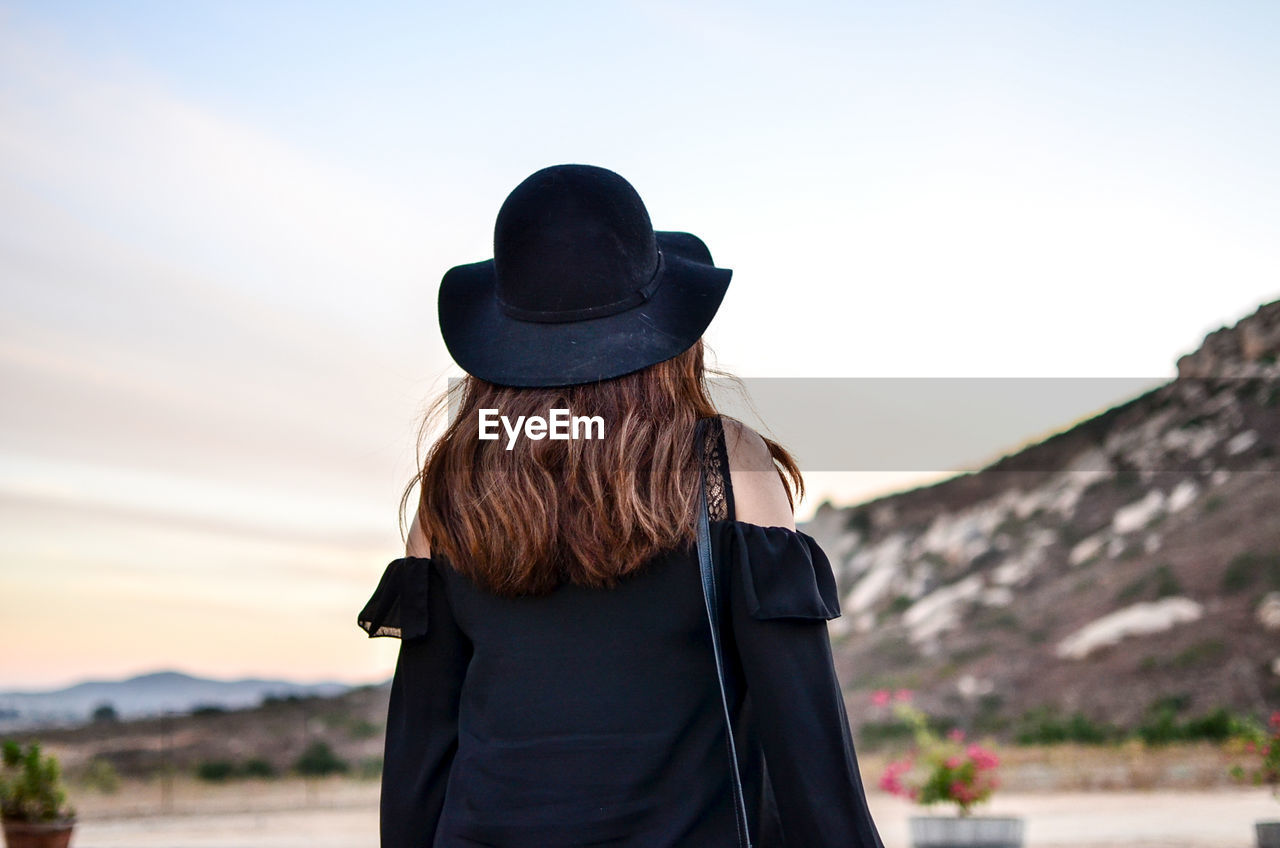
point(715, 463)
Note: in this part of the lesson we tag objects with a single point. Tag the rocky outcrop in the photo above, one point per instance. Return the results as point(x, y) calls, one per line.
point(1245, 350)
point(1137, 546)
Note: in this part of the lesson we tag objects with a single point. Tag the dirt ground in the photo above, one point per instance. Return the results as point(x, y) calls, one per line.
point(344, 814)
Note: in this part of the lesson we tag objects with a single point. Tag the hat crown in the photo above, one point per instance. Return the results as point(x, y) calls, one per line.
point(573, 242)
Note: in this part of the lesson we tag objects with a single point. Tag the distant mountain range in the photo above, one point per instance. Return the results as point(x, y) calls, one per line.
point(1129, 562)
point(145, 695)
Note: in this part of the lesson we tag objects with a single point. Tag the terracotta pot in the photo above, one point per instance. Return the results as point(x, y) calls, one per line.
point(1268, 834)
point(22, 834)
point(966, 832)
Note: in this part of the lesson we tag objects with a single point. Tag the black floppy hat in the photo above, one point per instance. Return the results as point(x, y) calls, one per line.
point(580, 287)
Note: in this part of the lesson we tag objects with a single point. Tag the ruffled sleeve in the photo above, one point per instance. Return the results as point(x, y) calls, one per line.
point(784, 574)
point(400, 604)
point(782, 592)
point(411, 603)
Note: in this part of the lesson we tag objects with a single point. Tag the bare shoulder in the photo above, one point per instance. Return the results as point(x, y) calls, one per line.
point(759, 496)
point(417, 545)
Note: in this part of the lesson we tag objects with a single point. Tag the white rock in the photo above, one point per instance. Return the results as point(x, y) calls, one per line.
point(1115, 546)
point(1136, 515)
point(1015, 571)
point(1182, 495)
point(1196, 441)
point(1043, 537)
point(997, 596)
point(960, 536)
point(1138, 619)
point(940, 609)
point(1086, 549)
point(1269, 611)
point(879, 565)
point(1151, 544)
point(1220, 476)
point(970, 686)
point(1241, 442)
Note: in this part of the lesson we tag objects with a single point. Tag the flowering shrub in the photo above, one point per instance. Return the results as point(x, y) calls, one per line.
point(937, 770)
point(1266, 743)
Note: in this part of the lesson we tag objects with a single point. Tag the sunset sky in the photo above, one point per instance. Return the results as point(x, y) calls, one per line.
point(224, 224)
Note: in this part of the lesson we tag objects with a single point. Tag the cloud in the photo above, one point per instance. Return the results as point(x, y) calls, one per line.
point(212, 357)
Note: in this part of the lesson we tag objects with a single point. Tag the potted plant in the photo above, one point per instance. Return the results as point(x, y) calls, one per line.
point(1265, 744)
point(946, 771)
point(33, 807)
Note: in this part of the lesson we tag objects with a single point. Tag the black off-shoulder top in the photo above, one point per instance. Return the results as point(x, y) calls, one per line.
point(592, 717)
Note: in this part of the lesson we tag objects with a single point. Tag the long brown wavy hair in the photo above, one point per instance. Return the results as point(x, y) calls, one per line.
point(586, 511)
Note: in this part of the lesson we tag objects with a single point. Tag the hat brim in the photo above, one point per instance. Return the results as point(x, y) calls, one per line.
point(489, 344)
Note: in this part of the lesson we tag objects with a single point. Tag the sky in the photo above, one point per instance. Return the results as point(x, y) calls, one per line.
point(224, 224)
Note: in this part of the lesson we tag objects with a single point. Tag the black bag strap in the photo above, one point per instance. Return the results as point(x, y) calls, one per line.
point(713, 618)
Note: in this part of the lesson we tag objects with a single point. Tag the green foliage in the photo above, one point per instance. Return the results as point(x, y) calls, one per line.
point(280, 700)
point(31, 785)
point(1159, 582)
point(1199, 653)
point(218, 771)
point(1264, 744)
point(104, 712)
point(208, 710)
point(319, 760)
point(215, 771)
point(900, 604)
point(257, 767)
point(952, 773)
point(1044, 726)
point(362, 728)
point(99, 774)
point(1162, 727)
point(370, 768)
point(1250, 567)
point(995, 618)
point(1193, 656)
point(1213, 503)
point(875, 735)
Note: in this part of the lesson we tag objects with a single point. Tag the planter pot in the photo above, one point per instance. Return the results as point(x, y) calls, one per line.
point(1268, 834)
point(21, 834)
point(966, 832)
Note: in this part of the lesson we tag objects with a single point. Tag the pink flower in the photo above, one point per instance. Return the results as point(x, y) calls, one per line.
point(1275, 719)
point(962, 793)
point(880, 697)
point(982, 758)
point(903, 695)
point(891, 780)
point(956, 735)
point(954, 762)
point(1250, 746)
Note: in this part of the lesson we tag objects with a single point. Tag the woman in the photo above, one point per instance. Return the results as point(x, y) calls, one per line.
point(556, 683)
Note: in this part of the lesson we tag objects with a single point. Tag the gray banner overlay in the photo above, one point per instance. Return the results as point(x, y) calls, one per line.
point(946, 424)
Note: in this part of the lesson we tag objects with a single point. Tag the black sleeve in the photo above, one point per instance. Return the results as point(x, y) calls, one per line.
point(782, 592)
point(410, 603)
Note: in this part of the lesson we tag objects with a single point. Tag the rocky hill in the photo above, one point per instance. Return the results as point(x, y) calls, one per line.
point(1131, 560)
